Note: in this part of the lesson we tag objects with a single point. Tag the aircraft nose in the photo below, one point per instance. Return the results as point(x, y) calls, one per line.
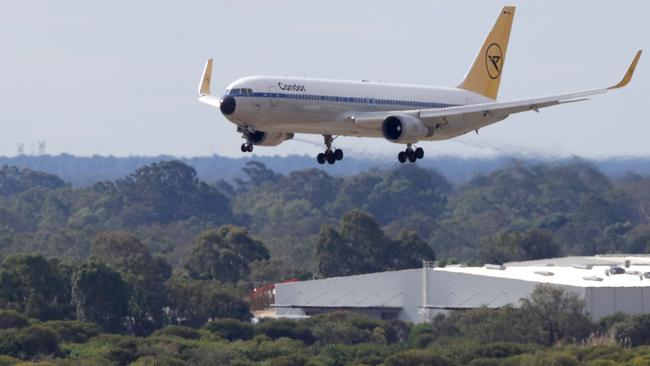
point(228, 105)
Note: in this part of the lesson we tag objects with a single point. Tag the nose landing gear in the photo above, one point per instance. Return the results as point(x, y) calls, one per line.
point(410, 154)
point(246, 134)
point(247, 147)
point(330, 156)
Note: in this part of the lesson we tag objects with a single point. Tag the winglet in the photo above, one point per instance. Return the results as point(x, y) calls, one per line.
point(630, 71)
point(204, 87)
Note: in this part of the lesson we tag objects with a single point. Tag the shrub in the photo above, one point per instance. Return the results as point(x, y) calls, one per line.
point(156, 361)
point(178, 331)
point(500, 350)
point(8, 361)
point(73, 331)
point(9, 342)
point(417, 357)
point(231, 329)
point(38, 340)
point(290, 360)
point(275, 329)
point(12, 319)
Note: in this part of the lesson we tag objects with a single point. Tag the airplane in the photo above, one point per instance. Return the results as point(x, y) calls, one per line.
point(269, 110)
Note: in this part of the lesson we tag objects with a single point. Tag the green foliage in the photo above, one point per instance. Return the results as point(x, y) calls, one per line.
point(14, 180)
point(178, 331)
point(31, 284)
point(73, 331)
point(310, 222)
point(505, 247)
point(560, 315)
point(630, 330)
point(230, 329)
point(12, 319)
point(7, 360)
point(417, 357)
point(193, 302)
point(145, 273)
point(224, 255)
point(101, 296)
point(29, 342)
point(280, 328)
point(164, 192)
point(360, 246)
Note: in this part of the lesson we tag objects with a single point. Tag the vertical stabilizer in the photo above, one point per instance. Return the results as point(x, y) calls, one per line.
point(485, 74)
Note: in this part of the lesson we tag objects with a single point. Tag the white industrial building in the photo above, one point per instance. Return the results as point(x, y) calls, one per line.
point(607, 284)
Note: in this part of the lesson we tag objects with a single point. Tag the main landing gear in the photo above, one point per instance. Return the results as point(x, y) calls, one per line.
point(410, 154)
point(330, 156)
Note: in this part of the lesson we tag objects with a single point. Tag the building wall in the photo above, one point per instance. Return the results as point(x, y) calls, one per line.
point(604, 301)
point(378, 293)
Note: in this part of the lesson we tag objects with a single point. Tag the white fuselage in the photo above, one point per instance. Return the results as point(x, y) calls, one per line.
point(321, 106)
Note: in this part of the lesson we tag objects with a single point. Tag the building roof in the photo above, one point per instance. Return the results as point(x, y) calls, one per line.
point(570, 271)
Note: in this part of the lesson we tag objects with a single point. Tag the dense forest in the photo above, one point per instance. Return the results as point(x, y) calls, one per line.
point(157, 267)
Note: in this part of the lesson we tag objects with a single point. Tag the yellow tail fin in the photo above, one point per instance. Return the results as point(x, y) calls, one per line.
point(485, 74)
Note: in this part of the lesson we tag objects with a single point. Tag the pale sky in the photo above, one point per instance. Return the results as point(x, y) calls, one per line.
point(120, 77)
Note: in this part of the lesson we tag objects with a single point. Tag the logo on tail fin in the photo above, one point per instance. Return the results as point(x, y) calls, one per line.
point(493, 60)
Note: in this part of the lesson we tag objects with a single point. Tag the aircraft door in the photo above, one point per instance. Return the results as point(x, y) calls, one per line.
point(273, 96)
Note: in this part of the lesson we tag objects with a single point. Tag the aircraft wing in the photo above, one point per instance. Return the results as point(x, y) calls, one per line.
point(488, 112)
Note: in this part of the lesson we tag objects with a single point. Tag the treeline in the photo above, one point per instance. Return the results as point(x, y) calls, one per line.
point(517, 213)
point(549, 328)
point(83, 171)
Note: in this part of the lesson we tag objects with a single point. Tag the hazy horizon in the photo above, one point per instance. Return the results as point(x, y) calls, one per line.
point(120, 78)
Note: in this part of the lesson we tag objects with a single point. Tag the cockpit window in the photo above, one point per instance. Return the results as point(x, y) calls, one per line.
point(240, 91)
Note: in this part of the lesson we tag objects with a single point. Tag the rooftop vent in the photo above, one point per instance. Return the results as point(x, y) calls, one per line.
point(615, 270)
point(583, 266)
point(544, 273)
point(499, 267)
point(592, 278)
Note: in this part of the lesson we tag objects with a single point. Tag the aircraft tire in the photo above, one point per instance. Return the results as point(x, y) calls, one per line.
point(419, 153)
point(329, 156)
point(411, 155)
point(401, 157)
point(320, 158)
point(338, 154)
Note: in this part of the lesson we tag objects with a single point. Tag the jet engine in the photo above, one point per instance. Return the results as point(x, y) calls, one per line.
point(262, 138)
point(404, 129)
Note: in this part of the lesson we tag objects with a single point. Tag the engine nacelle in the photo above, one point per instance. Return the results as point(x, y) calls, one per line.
point(261, 138)
point(404, 128)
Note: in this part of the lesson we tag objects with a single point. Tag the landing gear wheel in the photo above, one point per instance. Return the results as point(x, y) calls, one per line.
point(246, 147)
point(320, 158)
point(411, 155)
point(338, 154)
point(419, 153)
point(401, 157)
point(329, 156)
